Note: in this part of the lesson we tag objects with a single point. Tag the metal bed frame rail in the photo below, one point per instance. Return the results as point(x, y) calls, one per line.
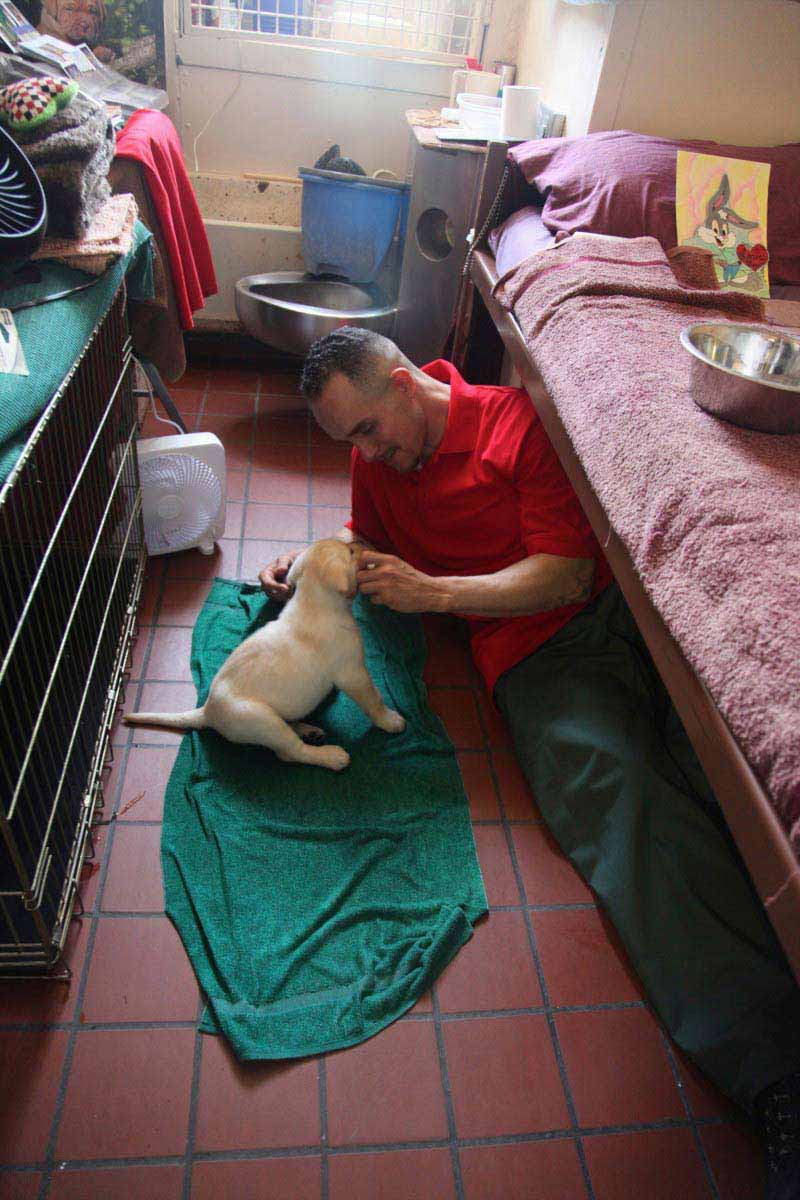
point(72, 562)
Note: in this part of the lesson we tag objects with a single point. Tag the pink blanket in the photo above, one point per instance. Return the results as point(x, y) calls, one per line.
point(709, 513)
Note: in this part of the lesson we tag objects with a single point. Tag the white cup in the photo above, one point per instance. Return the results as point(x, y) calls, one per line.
point(519, 112)
point(481, 83)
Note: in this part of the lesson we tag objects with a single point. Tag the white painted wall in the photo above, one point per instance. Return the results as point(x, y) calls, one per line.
point(722, 69)
point(562, 50)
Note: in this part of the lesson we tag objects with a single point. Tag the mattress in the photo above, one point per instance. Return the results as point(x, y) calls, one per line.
point(519, 236)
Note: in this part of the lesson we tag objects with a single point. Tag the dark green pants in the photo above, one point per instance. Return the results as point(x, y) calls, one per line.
point(617, 781)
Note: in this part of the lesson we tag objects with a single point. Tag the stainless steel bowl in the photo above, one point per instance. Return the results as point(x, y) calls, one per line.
point(290, 310)
point(746, 374)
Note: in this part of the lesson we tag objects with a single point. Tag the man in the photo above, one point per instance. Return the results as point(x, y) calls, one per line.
point(463, 508)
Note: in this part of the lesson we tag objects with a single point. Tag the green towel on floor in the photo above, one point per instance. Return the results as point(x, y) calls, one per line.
point(318, 907)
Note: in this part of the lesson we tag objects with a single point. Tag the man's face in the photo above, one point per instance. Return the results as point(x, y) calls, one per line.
point(81, 20)
point(390, 429)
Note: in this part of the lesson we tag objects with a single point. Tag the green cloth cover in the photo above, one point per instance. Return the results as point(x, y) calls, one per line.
point(54, 335)
point(317, 907)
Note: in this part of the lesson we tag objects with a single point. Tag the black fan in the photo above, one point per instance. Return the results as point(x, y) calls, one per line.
point(23, 209)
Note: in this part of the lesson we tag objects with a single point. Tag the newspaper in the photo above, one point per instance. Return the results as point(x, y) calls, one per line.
point(14, 28)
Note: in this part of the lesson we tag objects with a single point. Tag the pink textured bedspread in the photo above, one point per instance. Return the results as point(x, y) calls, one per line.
point(709, 513)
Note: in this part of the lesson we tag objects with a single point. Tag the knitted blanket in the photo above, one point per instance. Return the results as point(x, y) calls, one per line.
point(109, 237)
point(708, 511)
point(71, 154)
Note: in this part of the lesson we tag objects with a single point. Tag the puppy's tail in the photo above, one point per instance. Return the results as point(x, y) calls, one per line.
point(194, 719)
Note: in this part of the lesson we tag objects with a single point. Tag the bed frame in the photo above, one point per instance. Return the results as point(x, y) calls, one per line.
point(483, 332)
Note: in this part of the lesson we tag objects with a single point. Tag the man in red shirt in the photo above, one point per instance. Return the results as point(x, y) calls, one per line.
point(463, 508)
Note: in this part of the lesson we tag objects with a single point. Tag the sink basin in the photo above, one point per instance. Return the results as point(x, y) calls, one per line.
point(289, 310)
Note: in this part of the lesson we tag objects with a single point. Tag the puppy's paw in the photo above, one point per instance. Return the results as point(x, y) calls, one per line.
point(391, 722)
point(333, 757)
point(312, 735)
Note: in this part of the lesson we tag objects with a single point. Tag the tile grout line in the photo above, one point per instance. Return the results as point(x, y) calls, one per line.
point(324, 1150)
point(203, 403)
point(290, 504)
point(248, 477)
point(436, 1016)
point(75, 1024)
point(556, 1044)
point(194, 1092)
point(488, 1014)
point(312, 1151)
point(452, 1138)
point(673, 1062)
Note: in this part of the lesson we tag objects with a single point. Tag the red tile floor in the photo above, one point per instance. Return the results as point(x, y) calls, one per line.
point(534, 1069)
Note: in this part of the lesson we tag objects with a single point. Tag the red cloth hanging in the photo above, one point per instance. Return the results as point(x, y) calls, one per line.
point(151, 139)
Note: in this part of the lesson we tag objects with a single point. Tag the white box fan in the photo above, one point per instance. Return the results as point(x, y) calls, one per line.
point(183, 492)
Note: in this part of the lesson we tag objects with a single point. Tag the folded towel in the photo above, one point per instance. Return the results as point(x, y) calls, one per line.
point(109, 236)
point(591, 264)
point(76, 190)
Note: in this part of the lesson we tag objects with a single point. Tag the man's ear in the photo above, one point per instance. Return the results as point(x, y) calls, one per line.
point(402, 379)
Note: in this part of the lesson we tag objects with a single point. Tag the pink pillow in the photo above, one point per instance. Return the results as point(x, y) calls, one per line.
point(623, 184)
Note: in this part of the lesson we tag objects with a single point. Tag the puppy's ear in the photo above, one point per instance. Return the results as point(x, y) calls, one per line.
point(296, 570)
point(337, 575)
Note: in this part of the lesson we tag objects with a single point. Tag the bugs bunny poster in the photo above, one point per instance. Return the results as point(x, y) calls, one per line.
point(721, 207)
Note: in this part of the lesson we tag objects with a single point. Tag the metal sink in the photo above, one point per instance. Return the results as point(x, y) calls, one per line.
point(289, 310)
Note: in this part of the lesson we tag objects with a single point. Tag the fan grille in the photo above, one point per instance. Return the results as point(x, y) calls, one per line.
point(23, 212)
point(181, 497)
point(18, 213)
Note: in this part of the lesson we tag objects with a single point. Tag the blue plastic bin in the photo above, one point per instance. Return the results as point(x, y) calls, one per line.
point(349, 221)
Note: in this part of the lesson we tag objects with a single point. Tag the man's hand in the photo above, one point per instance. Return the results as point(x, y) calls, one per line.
point(273, 577)
point(390, 581)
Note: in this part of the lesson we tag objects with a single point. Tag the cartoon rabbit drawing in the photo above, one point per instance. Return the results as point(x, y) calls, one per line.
point(726, 234)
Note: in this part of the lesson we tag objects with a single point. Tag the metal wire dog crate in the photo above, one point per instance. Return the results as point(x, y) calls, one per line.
point(71, 567)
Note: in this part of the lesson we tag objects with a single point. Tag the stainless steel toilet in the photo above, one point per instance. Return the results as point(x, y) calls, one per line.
point(291, 309)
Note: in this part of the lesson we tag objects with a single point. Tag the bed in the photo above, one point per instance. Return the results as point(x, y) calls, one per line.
point(735, 686)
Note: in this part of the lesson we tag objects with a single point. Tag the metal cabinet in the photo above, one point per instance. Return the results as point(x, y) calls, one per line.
point(444, 193)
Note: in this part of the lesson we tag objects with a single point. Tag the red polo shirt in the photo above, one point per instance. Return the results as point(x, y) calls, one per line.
point(493, 493)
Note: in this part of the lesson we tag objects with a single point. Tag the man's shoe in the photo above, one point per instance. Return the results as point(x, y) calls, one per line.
point(778, 1114)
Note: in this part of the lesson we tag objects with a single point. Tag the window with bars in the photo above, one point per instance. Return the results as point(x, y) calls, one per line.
point(435, 27)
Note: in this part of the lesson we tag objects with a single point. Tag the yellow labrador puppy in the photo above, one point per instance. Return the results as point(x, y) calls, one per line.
point(282, 672)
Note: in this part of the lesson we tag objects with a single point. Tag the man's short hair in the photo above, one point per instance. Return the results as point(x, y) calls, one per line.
point(364, 357)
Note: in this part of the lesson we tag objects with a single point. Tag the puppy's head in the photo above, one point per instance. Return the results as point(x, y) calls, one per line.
point(331, 563)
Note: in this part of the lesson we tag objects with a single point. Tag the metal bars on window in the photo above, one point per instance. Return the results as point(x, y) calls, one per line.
point(436, 27)
point(71, 567)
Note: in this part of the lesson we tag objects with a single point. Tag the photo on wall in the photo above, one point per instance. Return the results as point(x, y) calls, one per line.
point(127, 35)
point(721, 207)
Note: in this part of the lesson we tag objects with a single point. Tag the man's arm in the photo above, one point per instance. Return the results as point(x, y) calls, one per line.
point(536, 584)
